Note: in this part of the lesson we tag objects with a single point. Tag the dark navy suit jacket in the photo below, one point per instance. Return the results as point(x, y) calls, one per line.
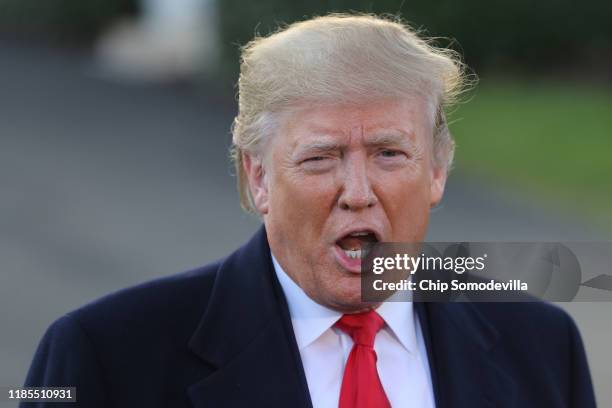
point(221, 336)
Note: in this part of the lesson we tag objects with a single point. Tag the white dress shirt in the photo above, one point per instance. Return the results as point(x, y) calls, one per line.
point(402, 362)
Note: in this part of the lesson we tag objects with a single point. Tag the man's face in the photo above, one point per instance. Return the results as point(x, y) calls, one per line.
point(336, 177)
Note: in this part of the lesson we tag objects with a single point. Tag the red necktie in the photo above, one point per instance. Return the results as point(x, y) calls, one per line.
point(361, 386)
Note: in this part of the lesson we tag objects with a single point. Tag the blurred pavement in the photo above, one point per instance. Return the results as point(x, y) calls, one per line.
point(104, 185)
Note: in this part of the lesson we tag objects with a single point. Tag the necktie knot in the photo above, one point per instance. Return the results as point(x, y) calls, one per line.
point(362, 327)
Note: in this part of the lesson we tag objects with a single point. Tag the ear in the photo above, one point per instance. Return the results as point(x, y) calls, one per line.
point(437, 183)
point(258, 183)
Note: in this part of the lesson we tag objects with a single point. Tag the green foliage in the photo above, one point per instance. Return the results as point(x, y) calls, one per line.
point(511, 35)
point(76, 21)
point(551, 141)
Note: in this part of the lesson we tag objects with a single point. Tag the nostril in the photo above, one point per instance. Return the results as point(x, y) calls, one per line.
point(356, 197)
point(373, 200)
point(357, 204)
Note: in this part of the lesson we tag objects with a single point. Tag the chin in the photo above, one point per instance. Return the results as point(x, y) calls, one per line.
point(353, 306)
point(348, 300)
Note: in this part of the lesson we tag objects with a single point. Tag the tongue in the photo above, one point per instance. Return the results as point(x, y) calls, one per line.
point(350, 243)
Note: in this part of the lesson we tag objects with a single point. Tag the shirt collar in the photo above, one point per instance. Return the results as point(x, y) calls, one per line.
point(310, 319)
point(400, 318)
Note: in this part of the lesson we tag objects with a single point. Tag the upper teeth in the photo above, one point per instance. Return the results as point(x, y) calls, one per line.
point(359, 234)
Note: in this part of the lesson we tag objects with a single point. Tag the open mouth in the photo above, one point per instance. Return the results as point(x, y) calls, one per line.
point(357, 244)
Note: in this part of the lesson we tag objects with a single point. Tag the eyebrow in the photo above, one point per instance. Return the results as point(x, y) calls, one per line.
point(391, 137)
point(381, 138)
point(319, 146)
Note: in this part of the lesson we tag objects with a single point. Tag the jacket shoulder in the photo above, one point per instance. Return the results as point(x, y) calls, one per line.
point(540, 342)
point(176, 300)
point(126, 340)
point(532, 316)
point(535, 331)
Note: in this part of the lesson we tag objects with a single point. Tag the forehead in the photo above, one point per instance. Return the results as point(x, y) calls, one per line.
point(411, 117)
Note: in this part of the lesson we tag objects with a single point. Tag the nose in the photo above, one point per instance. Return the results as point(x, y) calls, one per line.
point(356, 190)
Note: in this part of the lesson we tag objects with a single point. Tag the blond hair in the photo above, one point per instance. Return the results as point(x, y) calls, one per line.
point(339, 58)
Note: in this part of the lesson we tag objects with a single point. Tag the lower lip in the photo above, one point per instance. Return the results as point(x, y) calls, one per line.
point(352, 265)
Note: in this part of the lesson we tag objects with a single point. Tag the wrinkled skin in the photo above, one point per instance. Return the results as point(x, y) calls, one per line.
point(331, 169)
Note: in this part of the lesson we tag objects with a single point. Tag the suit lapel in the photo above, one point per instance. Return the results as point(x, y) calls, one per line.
point(459, 343)
point(246, 336)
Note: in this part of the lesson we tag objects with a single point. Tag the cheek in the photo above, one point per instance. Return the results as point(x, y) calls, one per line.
point(302, 202)
point(406, 202)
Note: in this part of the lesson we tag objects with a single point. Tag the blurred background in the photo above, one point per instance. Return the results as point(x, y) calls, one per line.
point(114, 130)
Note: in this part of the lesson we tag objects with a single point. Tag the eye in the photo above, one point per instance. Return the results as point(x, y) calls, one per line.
point(317, 164)
point(390, 153)
point(315, 158)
